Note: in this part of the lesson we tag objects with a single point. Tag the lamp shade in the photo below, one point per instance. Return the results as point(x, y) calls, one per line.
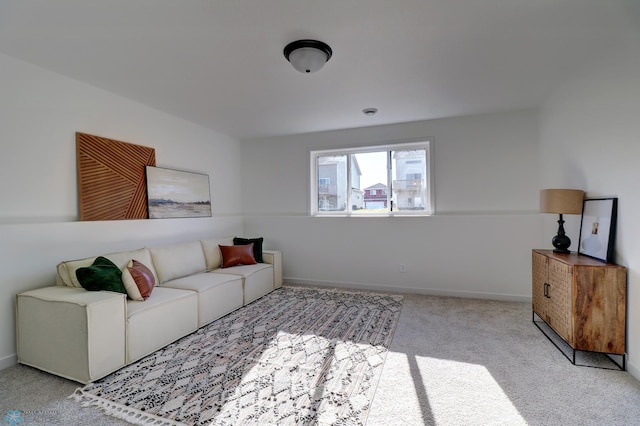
point(561, 201)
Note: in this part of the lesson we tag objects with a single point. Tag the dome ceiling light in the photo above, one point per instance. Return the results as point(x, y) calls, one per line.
point(307, 56)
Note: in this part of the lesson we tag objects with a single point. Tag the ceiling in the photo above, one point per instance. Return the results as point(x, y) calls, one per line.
point(220, 63)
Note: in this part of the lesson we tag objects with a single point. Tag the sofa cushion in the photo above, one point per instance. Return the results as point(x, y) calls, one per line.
point(66, 275)
point(218, 294)
point(237, 255)
point(167, 315)
point(245, 271)
point(178, 260)
point(138, 280)
point(102, 274)
point(257, 246)
point(212, 252)
point(258, 279)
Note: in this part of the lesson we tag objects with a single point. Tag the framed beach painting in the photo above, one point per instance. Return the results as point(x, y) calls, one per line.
point(174, 193)
point(598, 228)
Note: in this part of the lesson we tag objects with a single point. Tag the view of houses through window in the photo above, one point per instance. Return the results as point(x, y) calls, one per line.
point(379, 181)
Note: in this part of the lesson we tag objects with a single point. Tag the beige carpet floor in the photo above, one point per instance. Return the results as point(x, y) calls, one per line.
point(452, 362)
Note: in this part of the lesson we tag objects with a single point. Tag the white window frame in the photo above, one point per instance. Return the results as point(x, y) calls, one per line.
point(426, 144)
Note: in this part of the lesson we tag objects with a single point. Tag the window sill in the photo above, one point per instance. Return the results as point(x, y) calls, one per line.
point(397, 215)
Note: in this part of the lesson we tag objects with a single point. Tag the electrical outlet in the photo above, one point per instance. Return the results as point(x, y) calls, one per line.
point(403, 267)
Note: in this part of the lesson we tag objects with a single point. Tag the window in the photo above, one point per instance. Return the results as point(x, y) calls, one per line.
point(386, 180)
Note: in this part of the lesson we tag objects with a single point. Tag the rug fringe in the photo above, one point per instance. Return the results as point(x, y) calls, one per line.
point(122, 412)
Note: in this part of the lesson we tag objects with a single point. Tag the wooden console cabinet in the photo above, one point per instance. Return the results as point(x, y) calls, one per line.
point(582, 299)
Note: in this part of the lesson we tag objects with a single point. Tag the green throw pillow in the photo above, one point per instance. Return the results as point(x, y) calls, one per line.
point(103, 274)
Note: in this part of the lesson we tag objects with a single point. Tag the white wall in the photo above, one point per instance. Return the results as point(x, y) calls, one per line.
point(479, 244)
point(590, 139)
point(40, 112)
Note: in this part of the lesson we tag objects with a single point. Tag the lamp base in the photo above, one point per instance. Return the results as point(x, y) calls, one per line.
point(561, 242)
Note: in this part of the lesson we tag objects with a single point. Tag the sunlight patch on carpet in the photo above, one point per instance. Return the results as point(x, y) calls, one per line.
point(459, 390)
point(297, 355)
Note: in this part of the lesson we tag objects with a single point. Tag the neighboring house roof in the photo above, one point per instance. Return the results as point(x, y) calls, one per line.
point(335, 159)
point(408, 153)
point(327, 160)
point(354, 161)
point(377, 186)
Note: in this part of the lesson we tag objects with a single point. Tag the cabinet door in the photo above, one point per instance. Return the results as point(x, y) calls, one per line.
point(600, 309)
point(559, 303)
point(539, 282)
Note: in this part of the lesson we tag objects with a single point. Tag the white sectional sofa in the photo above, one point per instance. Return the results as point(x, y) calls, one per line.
point(85, 335)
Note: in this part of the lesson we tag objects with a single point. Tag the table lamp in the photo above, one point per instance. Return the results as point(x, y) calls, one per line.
point(561, 201)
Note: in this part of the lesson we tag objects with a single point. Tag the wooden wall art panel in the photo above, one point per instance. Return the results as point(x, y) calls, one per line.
point(111, 178)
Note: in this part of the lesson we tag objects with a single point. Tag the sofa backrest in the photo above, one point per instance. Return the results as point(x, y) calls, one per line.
point(66, 275)
point(165, 262)
point(178, 260)
point(212, 252)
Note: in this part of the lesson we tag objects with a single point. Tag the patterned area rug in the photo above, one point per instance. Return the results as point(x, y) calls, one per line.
point(295, 356)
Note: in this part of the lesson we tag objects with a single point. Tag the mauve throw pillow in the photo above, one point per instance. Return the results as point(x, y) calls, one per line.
point(138, 280)
point(257, 246)
point(103, 274)
point(237, 255)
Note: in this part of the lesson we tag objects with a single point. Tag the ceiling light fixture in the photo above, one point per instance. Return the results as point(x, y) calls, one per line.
point(370, 111)
point(307, 56)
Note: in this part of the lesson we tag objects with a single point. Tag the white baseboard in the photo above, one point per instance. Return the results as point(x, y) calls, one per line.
point(411, 290)
point(633, 369)
point(8, 361)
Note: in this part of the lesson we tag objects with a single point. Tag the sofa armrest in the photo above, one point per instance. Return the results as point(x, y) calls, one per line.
point(71, 332)
point(274, 258)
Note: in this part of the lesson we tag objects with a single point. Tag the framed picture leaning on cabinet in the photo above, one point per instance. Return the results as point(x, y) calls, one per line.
point(598, 228)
